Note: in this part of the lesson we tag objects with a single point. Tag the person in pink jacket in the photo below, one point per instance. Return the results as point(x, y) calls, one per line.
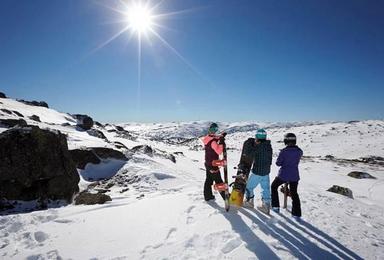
point(213, 145)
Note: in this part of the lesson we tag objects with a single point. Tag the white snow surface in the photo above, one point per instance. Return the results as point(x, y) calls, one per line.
point(161, 213)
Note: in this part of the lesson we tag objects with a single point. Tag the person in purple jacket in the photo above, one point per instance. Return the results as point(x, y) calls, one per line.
point(288, 161)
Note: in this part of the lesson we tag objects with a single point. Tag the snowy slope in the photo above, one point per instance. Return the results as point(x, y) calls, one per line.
point(158, 211)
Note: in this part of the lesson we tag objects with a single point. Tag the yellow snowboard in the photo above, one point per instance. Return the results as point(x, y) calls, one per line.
point(236, 198)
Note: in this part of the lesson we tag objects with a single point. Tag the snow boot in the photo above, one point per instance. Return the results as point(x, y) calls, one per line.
point(276, 209)
point(249, 203)
point(264, 208)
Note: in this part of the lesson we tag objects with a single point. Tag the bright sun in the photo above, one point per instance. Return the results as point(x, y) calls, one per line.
point(140, 18)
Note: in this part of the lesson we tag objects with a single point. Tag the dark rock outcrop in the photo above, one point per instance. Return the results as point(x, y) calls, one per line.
point(146, 149)
point(83, 157)
point(341, 190)
point(34, 103)
point(98, 124)
point(6, 111)
point(360, 175)
point(96, 133)
point(35, 118)
point(94, 155)
point(18, 113)
point(106, 153)
point(87, 198)
point(36, 164)
point(2, 95)
point(13, 122)
point(83, 121)
point(120, 145)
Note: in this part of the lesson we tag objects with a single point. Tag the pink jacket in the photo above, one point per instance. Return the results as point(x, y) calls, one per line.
point(218, 148)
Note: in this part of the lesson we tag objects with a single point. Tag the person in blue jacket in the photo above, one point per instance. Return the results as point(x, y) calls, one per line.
point(288, 160)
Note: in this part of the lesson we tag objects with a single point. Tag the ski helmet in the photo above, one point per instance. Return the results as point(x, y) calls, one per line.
point(261, 134)
point(290, 139)
point(213, 128)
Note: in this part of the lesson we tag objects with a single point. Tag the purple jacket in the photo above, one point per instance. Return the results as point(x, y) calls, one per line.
point(289, 159)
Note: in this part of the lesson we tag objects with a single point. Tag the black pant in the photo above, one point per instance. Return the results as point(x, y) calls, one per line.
point(296, 208)
point(212, 175)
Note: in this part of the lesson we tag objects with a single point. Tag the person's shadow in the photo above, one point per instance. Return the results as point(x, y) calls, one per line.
point(300, 246)
point(252, 242)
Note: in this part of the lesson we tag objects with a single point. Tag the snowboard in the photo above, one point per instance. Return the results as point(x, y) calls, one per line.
point(244, 167)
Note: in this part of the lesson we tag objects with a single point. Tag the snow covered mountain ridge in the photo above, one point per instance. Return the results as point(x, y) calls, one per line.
point(158, 211)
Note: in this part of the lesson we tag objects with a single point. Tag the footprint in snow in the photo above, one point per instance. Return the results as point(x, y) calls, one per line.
point(40, 236)
point(231, 245)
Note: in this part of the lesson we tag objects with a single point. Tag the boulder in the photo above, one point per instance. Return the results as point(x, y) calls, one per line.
point(13, 122)
point(36, 164)
point(83, 157)
point(119, 128)
point(106, 153)
point(2, 95)
point(360, 175)
point(87, 198)
point(35, 118)
point(341, 190)
point(96, 133)
point(83, 121)
point(146, 149)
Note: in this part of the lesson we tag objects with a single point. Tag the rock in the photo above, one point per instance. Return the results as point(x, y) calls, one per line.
point(35, 164)
point(2, 95)
point(65, 124)
point(17, 113)
point(98, 124)
point(106, 153)
point(330, 157)
point(87, 198)
point(35, 118)
point(83, 121)
point(146, 149)
point(341, 190)
point(96, 133)
point(34, 103)
point(6, 111)
point(360, 175)
point(179, 153)
point(119, 128)
point(83, 157)
point(120, 145)
point(13, 122)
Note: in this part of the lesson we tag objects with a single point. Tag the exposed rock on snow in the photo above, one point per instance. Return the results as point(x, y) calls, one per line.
point(107, 153)
point(6, 111)
point(12, 122)
point(34, 164)
point(146, 149)
point(96, 133)
point(84, 121)
point(35, 118)
point(360, 175)
point(87, 198)
point(2, 95)
point(341, 190)
point(34, 103)
point(17, 113)
point(83, 157)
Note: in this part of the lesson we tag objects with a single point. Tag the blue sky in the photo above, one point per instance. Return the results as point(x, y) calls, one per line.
point(248, 60)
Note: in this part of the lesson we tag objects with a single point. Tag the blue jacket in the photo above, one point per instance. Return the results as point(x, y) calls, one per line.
point(289, 159)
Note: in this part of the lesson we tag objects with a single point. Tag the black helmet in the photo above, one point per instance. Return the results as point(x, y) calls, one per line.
point(213, 128)
point(290, 139)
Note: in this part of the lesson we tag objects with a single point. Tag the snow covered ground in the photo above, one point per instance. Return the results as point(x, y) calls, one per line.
point(158, 211)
